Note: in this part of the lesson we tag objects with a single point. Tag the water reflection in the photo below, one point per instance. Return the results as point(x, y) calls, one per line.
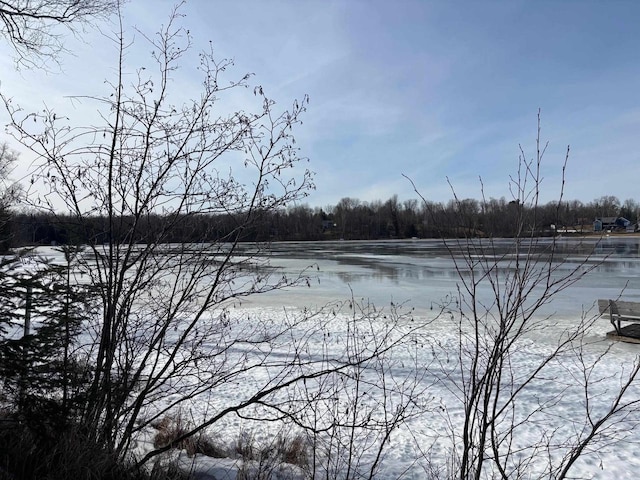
point(617, 248)
point(425, 270)
point(396, 273)
point(620, 246)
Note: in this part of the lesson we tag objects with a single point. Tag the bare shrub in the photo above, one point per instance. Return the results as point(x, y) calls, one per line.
point(174, 427)
point(493, 364)
point(155, 167)
point(294, 449)
point(285, 455)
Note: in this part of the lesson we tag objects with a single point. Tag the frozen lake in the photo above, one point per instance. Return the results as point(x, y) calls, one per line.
point(422, 272)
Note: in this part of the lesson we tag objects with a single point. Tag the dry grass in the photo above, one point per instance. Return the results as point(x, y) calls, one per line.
point(261, 461)
point(170, 428)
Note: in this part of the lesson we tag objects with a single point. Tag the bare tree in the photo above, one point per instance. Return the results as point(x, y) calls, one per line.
point(9, 193)
point(152, 157)
point(497, 314)
point(167, 334)
point(350, 415)
point(9, 190)
point(31, 26)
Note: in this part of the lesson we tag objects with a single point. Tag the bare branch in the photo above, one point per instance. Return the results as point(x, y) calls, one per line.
point(32, 26)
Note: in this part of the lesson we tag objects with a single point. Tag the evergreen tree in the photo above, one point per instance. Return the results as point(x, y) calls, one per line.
point(42, 367)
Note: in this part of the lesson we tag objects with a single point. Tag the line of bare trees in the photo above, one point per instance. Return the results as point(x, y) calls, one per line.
point(350, 219)
point(463, 217)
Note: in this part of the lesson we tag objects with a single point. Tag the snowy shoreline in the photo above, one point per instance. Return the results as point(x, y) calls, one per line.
point(405, 455)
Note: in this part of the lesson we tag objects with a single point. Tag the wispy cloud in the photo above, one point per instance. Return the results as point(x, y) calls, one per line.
point(431, 89)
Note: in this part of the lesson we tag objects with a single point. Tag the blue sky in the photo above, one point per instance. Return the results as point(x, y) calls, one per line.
point(429, 89)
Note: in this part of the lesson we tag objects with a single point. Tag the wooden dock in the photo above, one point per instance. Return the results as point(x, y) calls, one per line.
point(628, 333)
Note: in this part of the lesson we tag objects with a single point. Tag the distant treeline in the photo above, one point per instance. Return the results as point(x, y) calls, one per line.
point(349, 219)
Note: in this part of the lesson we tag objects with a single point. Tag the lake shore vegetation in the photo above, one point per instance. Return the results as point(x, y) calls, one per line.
point(350, 219)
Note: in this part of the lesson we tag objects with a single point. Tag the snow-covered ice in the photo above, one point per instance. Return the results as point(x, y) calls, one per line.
point(419, 275)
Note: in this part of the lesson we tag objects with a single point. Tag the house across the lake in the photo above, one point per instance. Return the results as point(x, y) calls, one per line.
point(328, 225)
point(613, 224)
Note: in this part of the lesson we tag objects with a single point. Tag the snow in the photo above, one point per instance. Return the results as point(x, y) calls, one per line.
point(425, 440)
point(552, 408)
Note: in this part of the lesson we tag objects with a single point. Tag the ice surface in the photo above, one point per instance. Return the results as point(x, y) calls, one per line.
point(421, 274)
